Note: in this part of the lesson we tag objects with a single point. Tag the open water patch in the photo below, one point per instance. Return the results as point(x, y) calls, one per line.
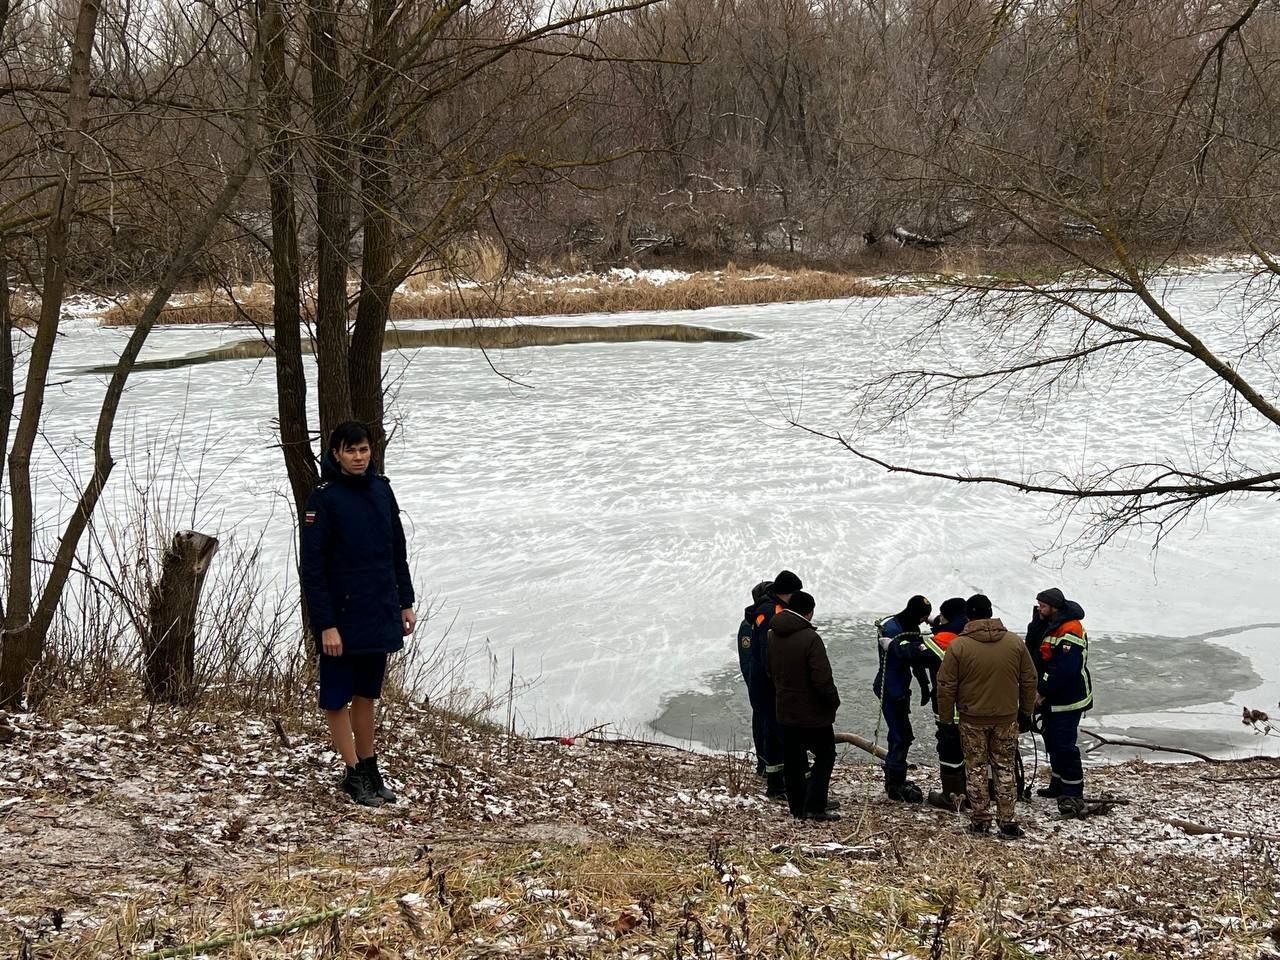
point(1132, 674)
point(480, 337)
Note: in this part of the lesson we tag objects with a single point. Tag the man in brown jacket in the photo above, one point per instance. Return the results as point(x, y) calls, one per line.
point(987, 673)
point(807, 701)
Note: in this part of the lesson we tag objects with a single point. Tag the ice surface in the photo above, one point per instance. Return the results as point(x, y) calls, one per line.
point(604, 516)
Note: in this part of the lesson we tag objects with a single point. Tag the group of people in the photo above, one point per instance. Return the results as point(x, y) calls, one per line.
point(984, 684)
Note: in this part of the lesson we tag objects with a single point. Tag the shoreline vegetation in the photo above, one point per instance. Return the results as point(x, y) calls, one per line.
point(617, 291)
point(584, 847)
point(495, 293)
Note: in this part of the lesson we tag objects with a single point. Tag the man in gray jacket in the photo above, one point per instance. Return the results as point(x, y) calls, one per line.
point(987, 675)
point(807, 701)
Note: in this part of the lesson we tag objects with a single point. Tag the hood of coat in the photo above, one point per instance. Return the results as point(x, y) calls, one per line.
point(758, 593)
point(985, 631)
point(788, 623)
point(332, 472)
point(1070, 611)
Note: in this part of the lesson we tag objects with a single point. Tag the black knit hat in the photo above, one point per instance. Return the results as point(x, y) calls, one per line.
point(978, 607)
point(952, 607)
point(802, 603)
point(786, 582)
point(1053, 597)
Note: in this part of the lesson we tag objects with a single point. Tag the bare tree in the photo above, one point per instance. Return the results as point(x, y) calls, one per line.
point(1163, 113)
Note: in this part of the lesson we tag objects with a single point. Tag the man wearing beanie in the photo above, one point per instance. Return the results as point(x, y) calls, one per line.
point(807, 701)
point(901, 650)
point(760, 686)
point(987, 678)
point(1059, 646)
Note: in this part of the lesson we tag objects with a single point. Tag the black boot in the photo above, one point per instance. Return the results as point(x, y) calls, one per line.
point(1054, 789)
point(1071, 807)
point(776, 786)
point(356, 785)
point(370, 767)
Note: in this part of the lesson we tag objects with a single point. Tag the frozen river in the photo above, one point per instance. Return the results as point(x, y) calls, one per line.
point(602, 519)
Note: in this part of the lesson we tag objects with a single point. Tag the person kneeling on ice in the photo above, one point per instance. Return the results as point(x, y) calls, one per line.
point(760, 686)
point(355, 578)
point(988, 679)
point(945, 628)
point(901, 650)
point(1059, 645)
point(807, 701)
point(745, 629)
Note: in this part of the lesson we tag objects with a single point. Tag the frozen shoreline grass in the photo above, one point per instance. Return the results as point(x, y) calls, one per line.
point(154, 831)
point(530, 296)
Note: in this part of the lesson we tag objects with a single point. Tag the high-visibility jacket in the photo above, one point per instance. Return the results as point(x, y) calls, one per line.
point(1060, 649)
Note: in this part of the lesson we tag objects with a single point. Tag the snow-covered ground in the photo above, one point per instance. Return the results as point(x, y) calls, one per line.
point(602, 517)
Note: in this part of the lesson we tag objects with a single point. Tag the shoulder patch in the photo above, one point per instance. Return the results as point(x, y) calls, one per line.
point(309, 517)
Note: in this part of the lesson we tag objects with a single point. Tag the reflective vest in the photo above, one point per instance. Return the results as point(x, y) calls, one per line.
point(1064, 641)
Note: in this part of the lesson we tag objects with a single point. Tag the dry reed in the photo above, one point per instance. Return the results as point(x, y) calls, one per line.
point(523, 297)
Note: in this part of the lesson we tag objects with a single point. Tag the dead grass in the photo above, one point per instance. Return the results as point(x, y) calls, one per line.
point(533, 297)
point(641, 899)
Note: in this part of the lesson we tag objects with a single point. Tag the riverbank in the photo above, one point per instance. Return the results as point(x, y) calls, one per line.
point(171, 829)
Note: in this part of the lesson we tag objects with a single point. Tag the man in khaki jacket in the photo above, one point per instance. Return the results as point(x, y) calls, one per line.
point(988, 675)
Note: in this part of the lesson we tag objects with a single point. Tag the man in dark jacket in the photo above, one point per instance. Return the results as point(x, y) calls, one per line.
point(355, 577)
point(745, 629)
point(760, 686)
point(807, 701)
point(901, 650)
point(987, 679)
point(945, 628)
point(1059, 647)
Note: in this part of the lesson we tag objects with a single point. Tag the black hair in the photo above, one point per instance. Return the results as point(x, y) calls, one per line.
point(349, 434)
point(802, 603)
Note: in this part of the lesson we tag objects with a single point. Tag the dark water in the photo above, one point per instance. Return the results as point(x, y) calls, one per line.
point(487, 336)
point(1132, 673)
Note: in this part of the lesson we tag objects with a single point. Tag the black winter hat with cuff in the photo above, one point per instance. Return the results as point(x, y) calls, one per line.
point(786, 582)
point(1053, 597)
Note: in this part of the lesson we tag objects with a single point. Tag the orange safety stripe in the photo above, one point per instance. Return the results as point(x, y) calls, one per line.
point(944, 638)
point(1073, 627)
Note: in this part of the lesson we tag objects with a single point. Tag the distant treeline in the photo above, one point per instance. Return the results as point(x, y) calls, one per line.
point(591, 134)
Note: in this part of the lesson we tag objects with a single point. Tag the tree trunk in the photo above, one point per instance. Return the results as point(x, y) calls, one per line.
point(286, 270)
point(373, 310)
point(169, 646)
point(333, 220)
point(103, 461)
point(20, 646)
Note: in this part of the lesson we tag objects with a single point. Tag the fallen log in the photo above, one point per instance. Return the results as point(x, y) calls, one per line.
point(862, 743)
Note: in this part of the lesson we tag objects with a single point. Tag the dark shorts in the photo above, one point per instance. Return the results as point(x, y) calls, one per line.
point(353, 675)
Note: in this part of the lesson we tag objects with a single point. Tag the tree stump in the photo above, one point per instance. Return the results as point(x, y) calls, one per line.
point(169, 643)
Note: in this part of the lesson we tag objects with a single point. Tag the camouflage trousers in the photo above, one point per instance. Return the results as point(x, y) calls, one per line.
point(992, 747)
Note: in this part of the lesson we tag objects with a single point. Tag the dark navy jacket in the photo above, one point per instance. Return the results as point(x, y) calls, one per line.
point(900, 657)
point(758, 683)
point(355, 568)
point(1060, 650)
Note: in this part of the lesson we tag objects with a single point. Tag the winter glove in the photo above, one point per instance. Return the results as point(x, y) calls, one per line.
point(1024, 723)
point(925, 695)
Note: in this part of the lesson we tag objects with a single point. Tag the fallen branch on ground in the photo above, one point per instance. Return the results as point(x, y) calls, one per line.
point(244, 936)
point(1138, 744)
point(1201, 830)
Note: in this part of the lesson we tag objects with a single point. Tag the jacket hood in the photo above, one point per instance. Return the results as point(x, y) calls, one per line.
point(955, 625)
point(331, 471)
point(758, 593)
point(1072, 611)
point(789, 622)
point(985, 631)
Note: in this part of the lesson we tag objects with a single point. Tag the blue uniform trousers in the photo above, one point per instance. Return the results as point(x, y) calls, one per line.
point(897, 716)
point(1060, 730)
